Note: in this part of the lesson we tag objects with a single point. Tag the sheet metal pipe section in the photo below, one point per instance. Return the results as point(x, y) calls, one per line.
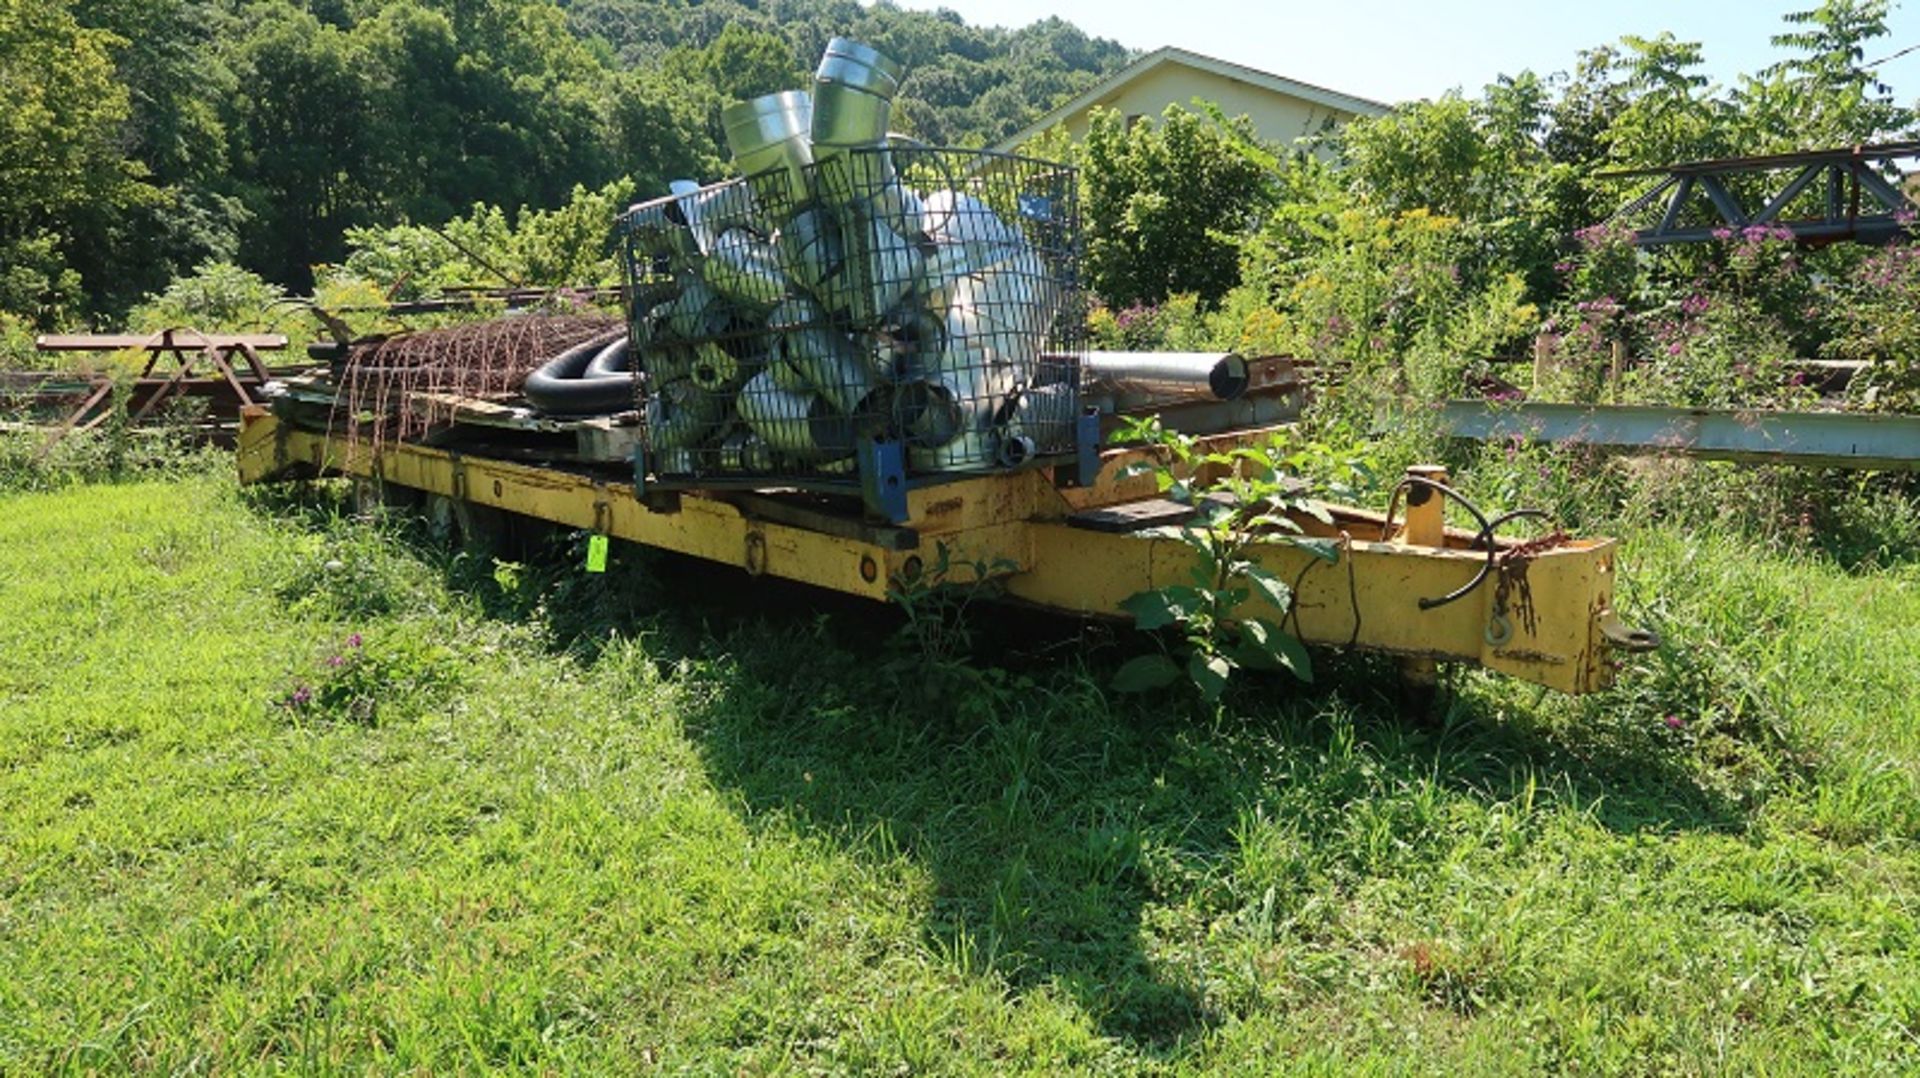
point(794, 423)
point(1178, 375)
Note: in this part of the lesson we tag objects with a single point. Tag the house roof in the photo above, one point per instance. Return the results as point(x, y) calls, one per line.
point(1266, 80)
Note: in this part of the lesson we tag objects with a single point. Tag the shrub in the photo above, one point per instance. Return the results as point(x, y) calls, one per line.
point(1878, 320)
point(1383, 301)
point(218, 296)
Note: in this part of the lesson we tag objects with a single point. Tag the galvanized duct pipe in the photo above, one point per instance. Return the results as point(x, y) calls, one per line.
point(872, 308)
point(1176, 375)
point(853, 92)
point(797, 424)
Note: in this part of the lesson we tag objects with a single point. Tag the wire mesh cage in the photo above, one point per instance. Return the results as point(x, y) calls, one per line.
point(923, 298)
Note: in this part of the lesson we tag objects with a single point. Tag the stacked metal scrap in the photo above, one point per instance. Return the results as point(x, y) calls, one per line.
point(850, 287)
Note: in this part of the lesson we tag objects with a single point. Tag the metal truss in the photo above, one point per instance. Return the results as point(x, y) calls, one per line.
point(1860, 205)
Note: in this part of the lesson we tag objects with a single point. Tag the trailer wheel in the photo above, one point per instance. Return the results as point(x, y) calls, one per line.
point(464, 526)
point(482, 529)
point(374, 498)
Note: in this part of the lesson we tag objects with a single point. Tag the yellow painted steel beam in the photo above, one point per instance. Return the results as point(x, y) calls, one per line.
point(703, 527)
point(1369, 599)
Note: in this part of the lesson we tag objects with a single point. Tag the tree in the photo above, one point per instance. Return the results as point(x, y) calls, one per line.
point(740, 64)
point(1482, 162)
point(660, 133)
point(1824, 96)
point(60, 168)
point(301, 141)
point(481, 101)
point(1671, 113)
point(177, 76)
point(1166, 205)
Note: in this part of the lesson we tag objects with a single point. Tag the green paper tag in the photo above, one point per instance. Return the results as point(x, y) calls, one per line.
point(596, 553)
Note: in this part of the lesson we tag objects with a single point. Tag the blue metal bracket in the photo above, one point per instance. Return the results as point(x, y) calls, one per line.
point(1086, 447)
point(639, 470)
point(883, 479)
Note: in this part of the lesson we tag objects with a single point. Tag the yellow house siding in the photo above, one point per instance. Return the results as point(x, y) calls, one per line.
point(1276, 117)
point(1282, 110)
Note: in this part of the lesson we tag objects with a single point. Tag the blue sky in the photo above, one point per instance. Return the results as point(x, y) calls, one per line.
point(1394, 50)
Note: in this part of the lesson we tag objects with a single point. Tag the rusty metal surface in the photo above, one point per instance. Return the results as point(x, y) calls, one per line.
point(116, 342)
point(1877, 152)
point(1857, 201)
point(226, 367)
point(1369, 599)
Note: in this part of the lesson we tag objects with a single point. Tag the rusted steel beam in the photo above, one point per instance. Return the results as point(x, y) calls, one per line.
point(117, 342)
point(1853, 179)
point(1879, 152)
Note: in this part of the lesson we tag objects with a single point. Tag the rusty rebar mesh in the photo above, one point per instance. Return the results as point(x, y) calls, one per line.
point(405, 386)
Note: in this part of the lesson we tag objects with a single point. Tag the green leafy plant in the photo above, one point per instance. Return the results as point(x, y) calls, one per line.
point(366, 683)
point(936, 598)
point(1166, 204)
point(218, 295)
point(1256, 496)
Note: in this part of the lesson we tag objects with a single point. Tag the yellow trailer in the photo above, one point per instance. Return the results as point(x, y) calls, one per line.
point(1542, 612)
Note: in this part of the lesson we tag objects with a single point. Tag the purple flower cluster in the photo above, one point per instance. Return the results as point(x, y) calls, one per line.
point(302, 694)
point(1605, 234)
point(1891, 266)
point(1762, 233)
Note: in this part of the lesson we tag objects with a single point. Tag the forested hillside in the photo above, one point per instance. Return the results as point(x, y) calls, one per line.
point(144, 137)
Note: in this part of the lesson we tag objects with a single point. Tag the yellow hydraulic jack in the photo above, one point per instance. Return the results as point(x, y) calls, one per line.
point(1538, 610)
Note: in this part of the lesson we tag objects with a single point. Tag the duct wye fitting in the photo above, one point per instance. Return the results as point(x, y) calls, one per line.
point(881, 267)
point(810, 248)
point(828, 360)
point(742, 267)
point(680, 415)
point(769, 138)
point(853, 91)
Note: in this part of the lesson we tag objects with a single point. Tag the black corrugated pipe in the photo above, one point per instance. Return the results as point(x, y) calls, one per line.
point(591, 378)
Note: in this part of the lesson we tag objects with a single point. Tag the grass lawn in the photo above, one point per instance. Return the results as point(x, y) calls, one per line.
point(533, 820)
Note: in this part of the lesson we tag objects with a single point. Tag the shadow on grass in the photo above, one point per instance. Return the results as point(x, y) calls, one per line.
point(1052, 816)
